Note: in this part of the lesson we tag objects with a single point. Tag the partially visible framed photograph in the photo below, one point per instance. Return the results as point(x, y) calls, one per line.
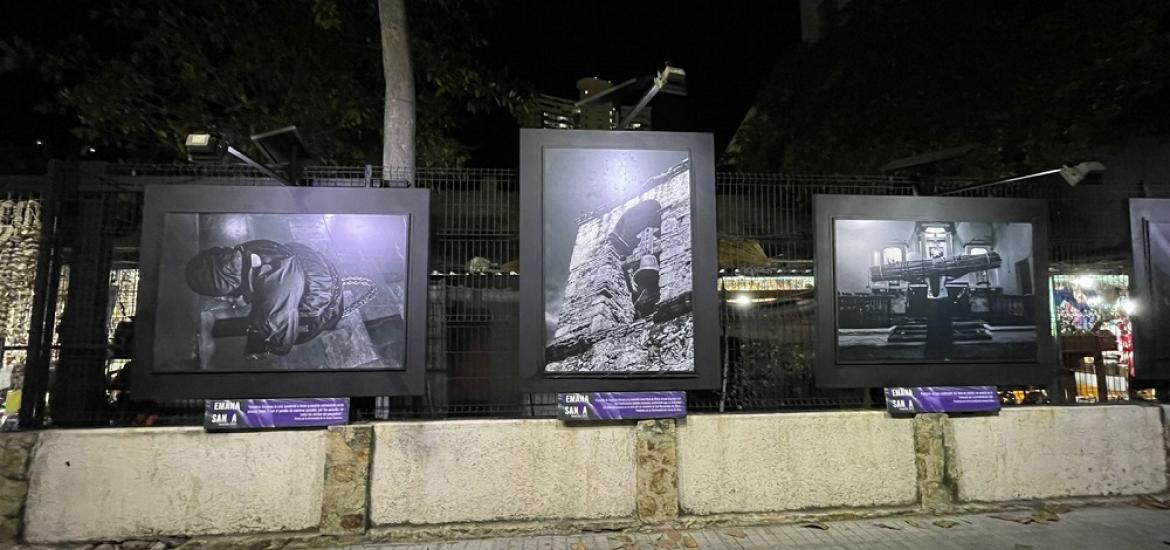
point(618, 267)
point(281, 292)
point(1150, 289)
point(925, 291)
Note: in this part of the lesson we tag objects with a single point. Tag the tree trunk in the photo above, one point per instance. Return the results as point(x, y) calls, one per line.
point(398, 120)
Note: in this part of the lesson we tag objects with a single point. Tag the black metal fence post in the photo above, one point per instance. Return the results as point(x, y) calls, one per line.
point(40, 337)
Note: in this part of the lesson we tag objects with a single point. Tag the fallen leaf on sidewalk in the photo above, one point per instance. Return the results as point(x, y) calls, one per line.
point(1021, 519)
point(888, 526)
point(665, 543)
point(816, 525)
point(945, 523)
point(1152, 502)
point(689, 542)
point(737, 533)
point(1045, 516)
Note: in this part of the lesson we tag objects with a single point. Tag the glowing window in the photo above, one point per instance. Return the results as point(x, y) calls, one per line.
point(978, 251)
point(892, 254)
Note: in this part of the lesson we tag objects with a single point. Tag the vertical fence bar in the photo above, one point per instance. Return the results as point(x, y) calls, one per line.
point(40, 337)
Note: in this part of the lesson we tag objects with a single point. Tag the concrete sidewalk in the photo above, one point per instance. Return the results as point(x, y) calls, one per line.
point(1112, 528)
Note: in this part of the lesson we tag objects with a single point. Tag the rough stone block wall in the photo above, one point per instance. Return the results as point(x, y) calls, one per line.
point(657, 456)
point(15, 454)
point(934, 458)
point(597, 324)
point(345, 500)
point(1046, 452)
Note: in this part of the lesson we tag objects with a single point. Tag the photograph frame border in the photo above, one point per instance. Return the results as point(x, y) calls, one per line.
point(831, 373)
point(704, 293)
point(1145, 340)
point(148, 383)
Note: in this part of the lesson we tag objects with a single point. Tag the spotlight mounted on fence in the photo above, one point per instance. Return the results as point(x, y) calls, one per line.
point(1072, 175)
point(283, 147)
point(206, 148)
point(670, 80)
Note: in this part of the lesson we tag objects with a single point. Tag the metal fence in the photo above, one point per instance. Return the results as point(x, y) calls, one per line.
point(80, 284)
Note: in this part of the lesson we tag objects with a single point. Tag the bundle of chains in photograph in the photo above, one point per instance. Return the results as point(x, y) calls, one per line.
point(20, 227)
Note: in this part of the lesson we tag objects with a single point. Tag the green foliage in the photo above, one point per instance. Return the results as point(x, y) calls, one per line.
point(1036, 83)
point(768, 370)
point(145, 73)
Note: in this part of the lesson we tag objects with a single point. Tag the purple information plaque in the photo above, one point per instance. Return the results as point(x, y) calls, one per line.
point(220, 415)
point(642, 405)
point(942, 399)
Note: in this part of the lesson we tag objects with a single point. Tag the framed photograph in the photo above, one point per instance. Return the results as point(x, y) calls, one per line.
point(618, 266)
point(1150, 288)
point(932, 291)
point(260, 292)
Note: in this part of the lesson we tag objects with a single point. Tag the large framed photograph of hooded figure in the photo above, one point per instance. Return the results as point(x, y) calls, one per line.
point(281, 292)
point(618, 267)
point(921, 291)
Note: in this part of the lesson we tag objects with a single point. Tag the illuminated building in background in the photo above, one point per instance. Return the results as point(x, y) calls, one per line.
point(562, 114)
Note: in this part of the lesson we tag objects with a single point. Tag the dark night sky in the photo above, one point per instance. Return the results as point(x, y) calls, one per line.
point(726, 50)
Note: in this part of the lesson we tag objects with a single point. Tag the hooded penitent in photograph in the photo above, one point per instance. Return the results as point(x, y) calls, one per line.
point(284, 292)
point(295, 293)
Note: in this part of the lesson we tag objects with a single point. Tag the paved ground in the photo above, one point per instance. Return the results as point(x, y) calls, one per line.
point(1112, 528)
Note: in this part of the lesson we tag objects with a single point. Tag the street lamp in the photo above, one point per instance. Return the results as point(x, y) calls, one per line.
point(283, 147)
point(1072, 175)
point(670, 80)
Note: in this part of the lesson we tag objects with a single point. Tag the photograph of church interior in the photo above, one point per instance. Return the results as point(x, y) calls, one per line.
point(934, 291)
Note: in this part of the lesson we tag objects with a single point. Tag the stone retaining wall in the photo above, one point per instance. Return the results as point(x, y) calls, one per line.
point(784, 462)
point(477, 477)
point(493, 470)
point(133, 483)
point(1048, 452)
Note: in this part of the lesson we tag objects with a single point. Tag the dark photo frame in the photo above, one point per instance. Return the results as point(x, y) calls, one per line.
point(938, 305)
point(615, 293)
point(267, 292)
point(1149, 289)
